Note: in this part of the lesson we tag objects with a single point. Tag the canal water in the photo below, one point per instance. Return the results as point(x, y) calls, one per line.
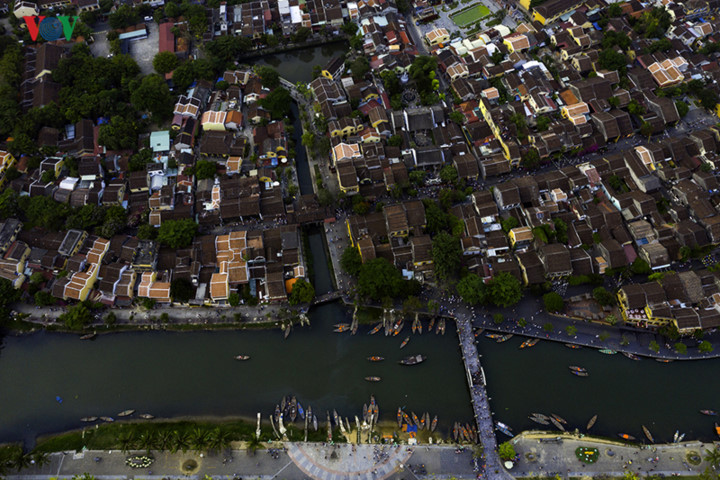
point(625, 394)
point(172, 374)
point(297, 65)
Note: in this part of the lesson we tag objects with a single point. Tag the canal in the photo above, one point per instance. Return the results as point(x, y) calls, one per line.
point(297, 65)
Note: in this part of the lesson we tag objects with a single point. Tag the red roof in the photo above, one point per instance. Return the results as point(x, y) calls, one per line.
point(167, 39)
point(404, 38)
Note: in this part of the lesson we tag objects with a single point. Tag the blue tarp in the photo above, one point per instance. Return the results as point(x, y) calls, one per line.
point(413, 428)
point(597, 27)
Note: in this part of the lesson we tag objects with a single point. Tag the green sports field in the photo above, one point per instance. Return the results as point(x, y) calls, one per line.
point(470, 15)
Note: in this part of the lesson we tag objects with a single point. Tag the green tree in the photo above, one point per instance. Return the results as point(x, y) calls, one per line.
point(395, 141)
point(181, 290)
point(611, 59)
point(472, 289)
point(43, 298)
point(269, 76)
point(118, 134)
point(498, 318)
point(506, 451)
point(682, 108)
point(124, 16)
point(226, 48)
point(351, 261)
point(713, 457)
point(553, 302)
point(110, 319)
point(571, 330)
point(205, 169)
point(359, 67)
point(705, 347)
point(379, 278)
point(76, 317)
point(602, 296)
point(457, 117)
point(177, 233)
point(302, 292)
point(646, 129)
point(654, 346)
point(509, 223)
point(448, 174)
point(165, 62)
point(152, 94)
point(277, 103)
point(548, 327)
point(234, 299)
point(680, 348)
point(640, 267)
point(542, 123)
point(147, 232)
point(446, 254)
point(505, 290)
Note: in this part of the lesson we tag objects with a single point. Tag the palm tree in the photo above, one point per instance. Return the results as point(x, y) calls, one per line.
point(213, 440)
point(40, 458)
point(180, 441)
point(198, 439)
point(147, 441)
point(713, 457)
point(126, 440)
point(164, 439)
point(253, 444)
point(20, 459)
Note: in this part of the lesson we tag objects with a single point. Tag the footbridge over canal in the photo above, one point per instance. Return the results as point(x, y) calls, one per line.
point(494, 469)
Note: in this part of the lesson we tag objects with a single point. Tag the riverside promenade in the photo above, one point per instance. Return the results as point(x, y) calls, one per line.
point(481, 407)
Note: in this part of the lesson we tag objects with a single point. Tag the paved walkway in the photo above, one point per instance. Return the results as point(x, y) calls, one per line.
point(299, 462)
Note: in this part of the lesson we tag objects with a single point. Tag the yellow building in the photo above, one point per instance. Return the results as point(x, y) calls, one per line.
point(520, 236)
point(437, 36)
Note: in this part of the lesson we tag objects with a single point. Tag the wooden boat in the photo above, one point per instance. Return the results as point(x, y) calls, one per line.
point(146, 416)
point(301, 411)
point(314, 423)
point(648, 434)
point(574, 347)
point(277, 412)
point(427, 420)
point(493, 336)
point(626, 436)
point(413, 328)
point(398, 327)
point(538, 420)
point(717, 429)
point(89, 336)
point(288, 329)
point(107, 419)
point(242, 357)
point(377, 328)
point(125, 413)
point(342, 325)
point(575, 368)
point(478, 331)
point(433, 424)
point(336, 417)
point(422, 422)
point(407, 418)
point(415, 419)
point(375, 358)
point(676, 436)
point(365, 412)
point(432, 324)
point(579, 373)
point(664, 360)
point(504, 338)
point(442, 326)
point(504, 428)
point(631, 356)
point(412, 360)
point(399, 417)
point(710, 413)
point(404, 342)
point(530, 342)
point(607, 351)
point(341, 329)
point(373, 379)
point(88, 419)
point(293, 409)
point(456, 431)
point(540, 416)
point(591, 422)
point(557, 424)
point(419, 328)
point(283, 403)
point(558, 418)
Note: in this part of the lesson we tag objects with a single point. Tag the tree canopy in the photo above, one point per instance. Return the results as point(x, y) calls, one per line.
point(553, 302)
point(505, 290)
point(379, 278)
point(269, 76)
point(350, 261)
point(181, 290)
point(447, 254)
point(119, 134)
point(277, 103)
point(302, 292)
point(472, 289)
point(153, 94)
point(165, 62)
point(177, 233)
point(76, 317)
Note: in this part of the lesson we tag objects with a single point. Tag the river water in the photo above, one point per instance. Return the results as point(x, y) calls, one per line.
point(625, 394)
point(194, 373)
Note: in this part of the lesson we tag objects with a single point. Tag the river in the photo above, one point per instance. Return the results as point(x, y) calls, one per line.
point(624, 393)
point(297, 65)
point(193, 373)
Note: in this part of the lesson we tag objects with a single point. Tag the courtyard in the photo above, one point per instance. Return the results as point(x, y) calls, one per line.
point(470, 15)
